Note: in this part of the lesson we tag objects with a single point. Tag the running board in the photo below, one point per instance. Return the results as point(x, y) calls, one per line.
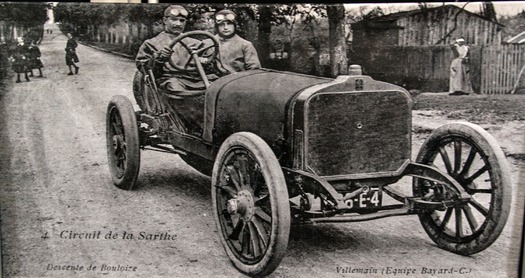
point(163, 149)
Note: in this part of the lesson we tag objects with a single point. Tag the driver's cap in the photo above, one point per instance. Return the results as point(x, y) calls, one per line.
point(176, 10)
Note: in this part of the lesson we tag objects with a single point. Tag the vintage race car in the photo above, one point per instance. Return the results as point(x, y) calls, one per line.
point(285, 148)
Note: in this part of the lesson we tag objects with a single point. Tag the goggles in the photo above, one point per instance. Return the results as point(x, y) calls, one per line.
point(224, 17)
point(178, 12)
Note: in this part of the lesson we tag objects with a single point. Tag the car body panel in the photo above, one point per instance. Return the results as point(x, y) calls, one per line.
point(253, 101)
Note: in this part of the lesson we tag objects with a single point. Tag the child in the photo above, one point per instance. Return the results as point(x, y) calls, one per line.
point(71, 54)
point(34, 59)
point(19, 59)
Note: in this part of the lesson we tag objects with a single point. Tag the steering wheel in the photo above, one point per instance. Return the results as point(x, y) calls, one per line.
point(195, 52)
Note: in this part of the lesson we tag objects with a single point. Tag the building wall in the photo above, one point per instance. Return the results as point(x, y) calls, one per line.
point(424, 68)
point(434, 27)
point(442, 26)
point(365, 35)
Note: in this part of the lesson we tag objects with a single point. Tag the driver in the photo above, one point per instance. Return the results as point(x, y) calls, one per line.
point(154, 54)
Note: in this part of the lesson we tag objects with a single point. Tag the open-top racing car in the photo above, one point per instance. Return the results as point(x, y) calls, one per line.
point(285, 148)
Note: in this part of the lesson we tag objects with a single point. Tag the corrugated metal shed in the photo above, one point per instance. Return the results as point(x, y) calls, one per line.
point(518, 39)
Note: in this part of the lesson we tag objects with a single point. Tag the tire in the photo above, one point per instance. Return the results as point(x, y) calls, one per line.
point(474, 159)
point(255, 232)
point(122, 141)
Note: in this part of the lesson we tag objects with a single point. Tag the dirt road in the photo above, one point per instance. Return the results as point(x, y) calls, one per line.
point(61, 216)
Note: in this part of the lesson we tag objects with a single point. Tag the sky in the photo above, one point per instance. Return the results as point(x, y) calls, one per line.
point(503, 8)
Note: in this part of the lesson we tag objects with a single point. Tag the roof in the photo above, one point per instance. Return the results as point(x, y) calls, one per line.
point(518, 39)
point(395, 16)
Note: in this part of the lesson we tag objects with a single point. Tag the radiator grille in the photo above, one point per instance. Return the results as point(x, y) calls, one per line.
point(357, 132)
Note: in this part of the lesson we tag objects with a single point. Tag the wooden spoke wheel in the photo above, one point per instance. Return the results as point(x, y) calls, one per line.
point(122, 141)
point(474, 159)
point(251, 204)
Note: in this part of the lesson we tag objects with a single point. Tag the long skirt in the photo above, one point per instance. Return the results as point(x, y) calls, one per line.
point(20, 65)
point(460, 77)
point(36, 63)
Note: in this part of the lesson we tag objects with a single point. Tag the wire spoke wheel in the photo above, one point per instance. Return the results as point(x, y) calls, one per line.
point(122, 142)
point(251, 204)
point(473, 158)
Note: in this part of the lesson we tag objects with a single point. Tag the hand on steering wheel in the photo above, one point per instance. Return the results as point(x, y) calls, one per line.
point(165, 53)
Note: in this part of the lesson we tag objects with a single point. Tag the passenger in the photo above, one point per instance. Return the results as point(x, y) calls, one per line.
point(20, 59)
point(154, 54)
point(236, 53)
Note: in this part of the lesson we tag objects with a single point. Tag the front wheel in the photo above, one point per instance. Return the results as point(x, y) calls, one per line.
point(474, 159)
point(122, 142)
point(251, 205)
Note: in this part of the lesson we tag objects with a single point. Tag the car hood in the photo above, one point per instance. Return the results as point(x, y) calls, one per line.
point(253, 101)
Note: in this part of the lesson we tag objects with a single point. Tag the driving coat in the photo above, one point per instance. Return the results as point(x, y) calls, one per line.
point(237, 54)
point(147, 58)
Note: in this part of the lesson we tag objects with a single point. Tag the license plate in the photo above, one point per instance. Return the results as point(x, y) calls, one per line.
point(370, 199)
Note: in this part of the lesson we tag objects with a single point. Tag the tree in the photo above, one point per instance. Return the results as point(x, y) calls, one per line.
point(86, 18)
point(308, 14)
point(263, 35)
point(338, 59)
point(29, 16)
point(454, 26)
point(489, 12)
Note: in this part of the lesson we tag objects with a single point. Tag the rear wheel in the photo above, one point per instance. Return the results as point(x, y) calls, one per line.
point(122, 141)
point(251, 205)
point(474, 159)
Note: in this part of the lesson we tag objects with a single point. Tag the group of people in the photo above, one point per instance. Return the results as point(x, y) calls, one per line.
point(235, 53)
point(26, 57)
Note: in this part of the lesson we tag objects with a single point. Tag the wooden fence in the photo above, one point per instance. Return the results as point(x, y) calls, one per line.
point(501, 67)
